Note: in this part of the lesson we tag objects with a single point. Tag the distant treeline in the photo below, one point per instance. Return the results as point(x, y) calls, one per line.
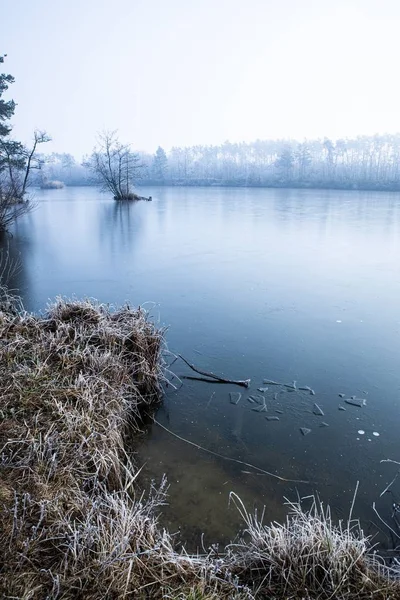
point(366, 162)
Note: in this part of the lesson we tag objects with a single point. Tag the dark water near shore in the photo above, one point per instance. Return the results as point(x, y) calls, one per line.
point(278, 284)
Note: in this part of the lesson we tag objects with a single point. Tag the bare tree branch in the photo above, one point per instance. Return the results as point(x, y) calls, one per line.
point(115, 166)
point(39, 137)
point(242, 382)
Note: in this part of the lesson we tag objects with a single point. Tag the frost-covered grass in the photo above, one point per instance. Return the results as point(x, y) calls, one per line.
point(75, 525)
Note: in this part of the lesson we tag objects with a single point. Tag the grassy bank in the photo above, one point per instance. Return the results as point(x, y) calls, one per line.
point(73, 383)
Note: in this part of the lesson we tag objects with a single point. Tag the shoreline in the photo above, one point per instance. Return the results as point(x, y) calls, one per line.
point(74, 382)
point(267, 186)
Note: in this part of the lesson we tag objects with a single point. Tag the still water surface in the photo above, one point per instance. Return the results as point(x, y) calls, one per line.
point(253, 283)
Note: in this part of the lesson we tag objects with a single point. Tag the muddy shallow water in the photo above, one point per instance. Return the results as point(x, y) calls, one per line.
point(284, 285)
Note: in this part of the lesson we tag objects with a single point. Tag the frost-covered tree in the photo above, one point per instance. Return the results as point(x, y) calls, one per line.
point(160, 166)
point(285, 161)
point(115, 166)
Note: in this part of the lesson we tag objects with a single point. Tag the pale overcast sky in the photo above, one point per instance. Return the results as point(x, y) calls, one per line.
point(183, 72)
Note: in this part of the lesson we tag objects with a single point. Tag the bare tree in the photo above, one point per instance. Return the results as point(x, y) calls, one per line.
point(17, 164)
point(115, 166)
point(31, 162)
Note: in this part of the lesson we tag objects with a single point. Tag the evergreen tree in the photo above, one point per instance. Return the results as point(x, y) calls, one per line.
point(160, 165)
point(9, 149)
point(16, 161)
point(285, 161)
point(303, 156)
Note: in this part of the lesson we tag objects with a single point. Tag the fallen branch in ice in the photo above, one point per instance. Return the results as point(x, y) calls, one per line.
point(243, 383)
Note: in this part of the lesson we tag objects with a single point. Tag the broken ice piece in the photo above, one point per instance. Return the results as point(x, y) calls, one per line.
point(258, 399)
point(317, 410)
point(260, 408)
point(305, 430)
point(290, 386)
point(234, 397)
point(355, 401)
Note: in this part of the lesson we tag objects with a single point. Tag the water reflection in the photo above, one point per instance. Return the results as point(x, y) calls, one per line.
point(12, 268)
point(120, 225)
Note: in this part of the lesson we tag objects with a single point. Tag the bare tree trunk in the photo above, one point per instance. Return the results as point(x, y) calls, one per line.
point(40, 137)
point(28, 169)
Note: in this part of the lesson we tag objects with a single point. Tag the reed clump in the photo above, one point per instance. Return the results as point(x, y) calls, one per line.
point(52, 185)
point(309, 557)
point(74, 382)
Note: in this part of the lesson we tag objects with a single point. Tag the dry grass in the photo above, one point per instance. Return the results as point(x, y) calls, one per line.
point(73, 382)
point(309, 557)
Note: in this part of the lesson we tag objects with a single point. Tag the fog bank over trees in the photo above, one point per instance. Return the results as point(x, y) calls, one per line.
point(366, 162)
